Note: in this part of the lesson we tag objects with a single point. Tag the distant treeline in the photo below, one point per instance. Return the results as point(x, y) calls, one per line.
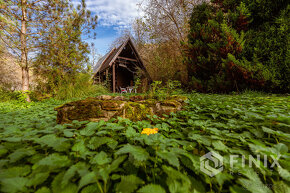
point(209, 46)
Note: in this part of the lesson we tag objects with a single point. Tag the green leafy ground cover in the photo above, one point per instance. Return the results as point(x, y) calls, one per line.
point(37, 155)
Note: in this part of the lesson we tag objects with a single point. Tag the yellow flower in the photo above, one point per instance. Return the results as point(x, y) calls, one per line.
point(149, 131)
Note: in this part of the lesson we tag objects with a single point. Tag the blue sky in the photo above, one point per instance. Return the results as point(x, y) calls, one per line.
point(105, 36)
point(113, 17)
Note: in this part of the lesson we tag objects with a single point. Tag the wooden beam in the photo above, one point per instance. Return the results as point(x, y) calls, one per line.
point(125, 58)
point(123, 65)
point(100, 78)
point(114, 78)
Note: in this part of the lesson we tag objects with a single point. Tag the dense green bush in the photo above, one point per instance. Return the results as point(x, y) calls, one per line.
point(37, 155)
point(69, 86)
point(19, 96)
point(161, 91)
point(268, 44)
point(213, 53)
point(78, 87)
point(5, 95)
point(235, 45)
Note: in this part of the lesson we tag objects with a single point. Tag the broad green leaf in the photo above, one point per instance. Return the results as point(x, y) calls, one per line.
point(130, 132)
point(57, 143)
point(57, 187)
point(281, 187)
point(253, 186)
point(238, 189)
point(43, 190)
point(37, 179)
point(101, 159)
point(13, 139)
point(223, 177)
point(104, 173)
point(68, 133)
point(69, 174)
point(279, 133)
point(116, 163)
point(113, 126)
point(128, 184)
point(87, 179)
point(15, 171)
point(16, 184)
point(21, 153)
point(285, 174)
point(91, 189)
point(3, 162)
point(81, 168)
point(218, 145)
point(191, 161)
point(177, 181)
point(197, 185)
point(96, 142)
point(115, 177)
point(54, 161)
point(137, 152)
point(150, 188)
point(3, 152)
point(201, 139)
point(90, 129)
point(281, 148)
point(81, 149)
point(171, 157)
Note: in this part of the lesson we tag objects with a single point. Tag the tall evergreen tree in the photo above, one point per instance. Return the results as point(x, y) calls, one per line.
point(24, 21)
point(241, 44)
point(27, 21)
point(62, 51)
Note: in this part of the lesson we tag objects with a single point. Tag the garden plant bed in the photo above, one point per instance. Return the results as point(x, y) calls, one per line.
point(157, 155)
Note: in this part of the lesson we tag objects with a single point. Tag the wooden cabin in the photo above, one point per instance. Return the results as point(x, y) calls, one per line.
point(120, 67)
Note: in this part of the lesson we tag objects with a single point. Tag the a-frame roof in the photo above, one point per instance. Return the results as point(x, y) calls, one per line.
point(107, 60)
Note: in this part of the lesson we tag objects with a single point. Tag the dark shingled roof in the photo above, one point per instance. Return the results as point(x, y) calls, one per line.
point(99, 63)
point(107, 60)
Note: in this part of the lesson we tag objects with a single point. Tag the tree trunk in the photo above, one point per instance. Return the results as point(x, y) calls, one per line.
point(25, 79)
point(24, 61)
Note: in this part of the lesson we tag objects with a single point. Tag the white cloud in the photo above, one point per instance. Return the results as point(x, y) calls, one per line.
point(102, 44)
point(120, 13)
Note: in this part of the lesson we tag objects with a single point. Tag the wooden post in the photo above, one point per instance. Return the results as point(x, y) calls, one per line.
point(107, 74)
point(114, 78)
point(100, 78)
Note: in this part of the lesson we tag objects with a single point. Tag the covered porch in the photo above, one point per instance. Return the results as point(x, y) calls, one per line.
point(119, 68)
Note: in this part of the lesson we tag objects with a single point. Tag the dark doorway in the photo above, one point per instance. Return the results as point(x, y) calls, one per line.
point(124, 77)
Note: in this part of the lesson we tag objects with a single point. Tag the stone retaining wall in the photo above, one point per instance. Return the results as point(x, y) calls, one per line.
point(106, 107)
